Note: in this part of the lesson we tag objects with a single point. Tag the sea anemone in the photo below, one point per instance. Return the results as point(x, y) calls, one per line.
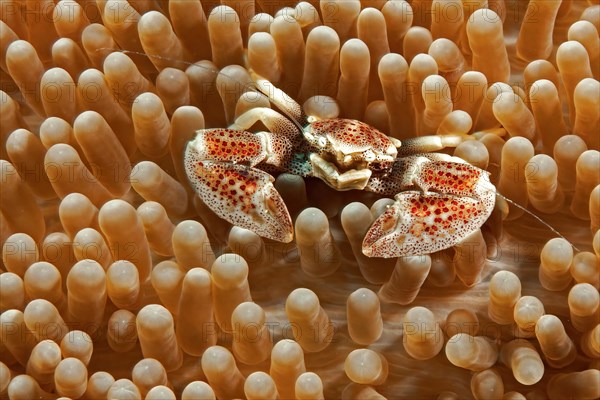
point(118, 282)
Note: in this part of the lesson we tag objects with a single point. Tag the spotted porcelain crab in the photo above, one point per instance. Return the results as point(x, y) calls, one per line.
point(439, 200)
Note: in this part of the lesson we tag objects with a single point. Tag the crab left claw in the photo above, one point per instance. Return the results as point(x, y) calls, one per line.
point(456, 199)
point(220, 166)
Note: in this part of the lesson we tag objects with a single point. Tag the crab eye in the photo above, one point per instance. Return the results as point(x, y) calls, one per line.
point(322, 142)
point(369, 156)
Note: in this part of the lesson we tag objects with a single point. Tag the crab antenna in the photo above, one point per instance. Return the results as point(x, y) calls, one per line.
point(261, 86)
point(547, 225)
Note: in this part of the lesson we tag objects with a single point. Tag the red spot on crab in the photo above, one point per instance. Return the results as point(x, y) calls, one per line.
point(351, 135)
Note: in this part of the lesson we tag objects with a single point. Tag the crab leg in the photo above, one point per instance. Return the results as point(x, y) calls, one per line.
point(274, 122)
point(426, 144)
point(448, 201)
point(279, 98)
point(220, 164)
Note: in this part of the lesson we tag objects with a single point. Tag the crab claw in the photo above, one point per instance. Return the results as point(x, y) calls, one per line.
point(240, 194)
point(421, 223)
point(455, 200)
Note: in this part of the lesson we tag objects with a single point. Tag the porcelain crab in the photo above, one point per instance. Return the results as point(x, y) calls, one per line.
point(439, 200)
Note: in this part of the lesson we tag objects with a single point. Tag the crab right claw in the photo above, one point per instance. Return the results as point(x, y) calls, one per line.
point(420, 223)
point(233, 189)
point(456, 199)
